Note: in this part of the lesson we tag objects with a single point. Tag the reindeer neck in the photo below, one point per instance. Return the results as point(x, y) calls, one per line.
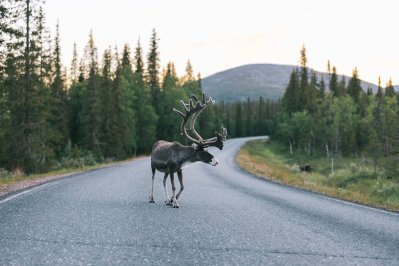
point(187, 154)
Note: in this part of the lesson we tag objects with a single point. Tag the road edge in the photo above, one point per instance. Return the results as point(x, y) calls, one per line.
point(46, 180)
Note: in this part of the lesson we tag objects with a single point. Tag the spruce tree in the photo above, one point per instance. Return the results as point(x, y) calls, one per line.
point(389, 89)
point(170, 79)
point(239, 125)
point(153, 69)
point(249, 118)
point(290, 99)
point(128, 100)
point(58, 106)
point(322, 87)
point(168, 125)
point(380, 93)
point(92, 106)
point(189, 72)
point(333, 85)
point(354, 87)
point(77, 103)
point(199, 81)
point(190, 85)
point(313, 92)
point(106, 104)
point(28, 146)
point(341, 87)
point(146, 116)
point(74, 70)
point(304, 89)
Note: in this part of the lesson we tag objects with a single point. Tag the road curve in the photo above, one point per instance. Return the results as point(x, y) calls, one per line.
point(226, 217)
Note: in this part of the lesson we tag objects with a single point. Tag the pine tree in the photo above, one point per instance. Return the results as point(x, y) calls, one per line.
point(77, 102)
point(249, 125)
point(190, 85)
point(389, 89)
point(92, 106)
point(106, 105)
point(322, 87)
point(290, 99)
point(239, 126)
point(199, 81)
point(170, 79)
point(58, 106)
point(369, 91)
point(153, 69)
point(146, 116)
point(390, 124)
point(304, 89)
point(76, 110)
point(28, 146)
point(333, 85)
point(74, 71)
point(128, 100)
point(372, 123)
point(354, 87)
point(341, 87)
point(313, 92)
point(120, 124)
point(380, 93)
point(189, 72)
point(260, 117)
point(10, 13)
point(45, 55)
point(171, 94)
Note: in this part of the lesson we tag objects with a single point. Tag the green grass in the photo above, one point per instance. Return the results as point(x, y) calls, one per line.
point(353, 179)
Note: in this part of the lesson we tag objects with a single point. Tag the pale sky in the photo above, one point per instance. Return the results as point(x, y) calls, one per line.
point(220, 34)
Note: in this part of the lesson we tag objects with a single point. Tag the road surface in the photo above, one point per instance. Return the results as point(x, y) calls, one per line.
point(226, 217)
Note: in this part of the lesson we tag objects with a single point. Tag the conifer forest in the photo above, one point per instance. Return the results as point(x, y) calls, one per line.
point(106, 105)
point(115, 104)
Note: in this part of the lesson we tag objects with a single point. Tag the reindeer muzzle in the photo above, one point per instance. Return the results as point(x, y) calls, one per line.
point(214, 162)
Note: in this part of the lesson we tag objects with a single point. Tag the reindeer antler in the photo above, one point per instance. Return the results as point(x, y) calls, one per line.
point(192, 112)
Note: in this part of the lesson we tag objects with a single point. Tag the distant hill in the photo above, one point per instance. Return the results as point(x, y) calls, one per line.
point(254, 80)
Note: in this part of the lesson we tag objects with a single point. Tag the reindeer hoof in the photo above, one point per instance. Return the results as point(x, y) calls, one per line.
point(152, 201)
point(176, 206)
point(168, 203)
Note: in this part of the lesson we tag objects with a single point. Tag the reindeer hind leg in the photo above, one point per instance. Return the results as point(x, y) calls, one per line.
point(174, 201)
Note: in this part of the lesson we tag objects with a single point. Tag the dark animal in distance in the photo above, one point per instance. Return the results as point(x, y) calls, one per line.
point(305, 168)
point(170, 157)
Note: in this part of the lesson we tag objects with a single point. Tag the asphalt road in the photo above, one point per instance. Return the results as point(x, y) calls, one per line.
point(226, 217)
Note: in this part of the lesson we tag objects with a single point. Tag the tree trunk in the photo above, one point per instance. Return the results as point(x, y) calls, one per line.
point(375, 161)
point(327, 151)
point(290, 147)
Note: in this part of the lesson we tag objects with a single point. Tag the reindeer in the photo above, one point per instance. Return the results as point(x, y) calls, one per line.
point(170, 157)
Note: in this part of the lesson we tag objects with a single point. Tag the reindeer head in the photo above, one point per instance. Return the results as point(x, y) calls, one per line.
point(202, 155)
point(192, 111)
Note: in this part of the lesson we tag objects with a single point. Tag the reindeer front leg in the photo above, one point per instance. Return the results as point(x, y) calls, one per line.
point(180, 176)
point(152, 200)
point(172, 180)
point(167, 200)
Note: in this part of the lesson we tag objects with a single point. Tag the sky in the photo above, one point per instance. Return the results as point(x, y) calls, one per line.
point(216, 35)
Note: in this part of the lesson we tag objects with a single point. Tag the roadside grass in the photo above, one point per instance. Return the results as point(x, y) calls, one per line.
point(353, 179)
point(16, 176)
